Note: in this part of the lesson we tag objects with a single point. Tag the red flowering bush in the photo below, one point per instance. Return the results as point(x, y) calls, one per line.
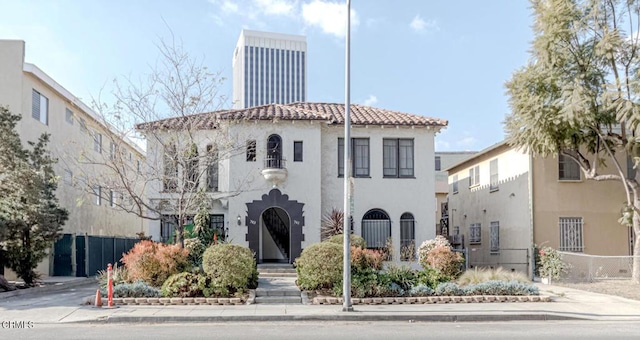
point(154, 262)
point(445, 260)
point(362, 258)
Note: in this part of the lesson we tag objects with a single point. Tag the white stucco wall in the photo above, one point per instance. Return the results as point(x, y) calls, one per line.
point(393, 195)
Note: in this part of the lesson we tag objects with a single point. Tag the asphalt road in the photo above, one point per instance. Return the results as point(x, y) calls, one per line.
point(333, 330)
point(65, 298)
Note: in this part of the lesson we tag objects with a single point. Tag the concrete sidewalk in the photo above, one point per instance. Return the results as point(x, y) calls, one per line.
point(567, 304)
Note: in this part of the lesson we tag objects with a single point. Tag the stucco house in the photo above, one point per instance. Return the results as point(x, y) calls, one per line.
point(282, 170)
point(504, 201)
point(76, 133)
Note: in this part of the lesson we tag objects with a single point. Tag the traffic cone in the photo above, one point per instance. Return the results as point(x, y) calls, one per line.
point(98, 299)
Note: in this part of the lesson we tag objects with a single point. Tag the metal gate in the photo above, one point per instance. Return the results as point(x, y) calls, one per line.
point(62, 258)
point(81, 257)
point(84, 255)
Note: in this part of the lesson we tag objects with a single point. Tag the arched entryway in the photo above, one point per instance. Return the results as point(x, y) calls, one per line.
point(275, 235)
point(275, 208)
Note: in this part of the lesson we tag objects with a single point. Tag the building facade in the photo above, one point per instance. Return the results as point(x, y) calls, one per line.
point(269, 68)
point(283, 171)
point(504, 201)
point(442, 161)
point(76, 134)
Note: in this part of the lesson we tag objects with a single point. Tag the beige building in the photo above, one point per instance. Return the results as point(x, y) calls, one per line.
point(444, 160)
point(78, 138)
point(503, 201)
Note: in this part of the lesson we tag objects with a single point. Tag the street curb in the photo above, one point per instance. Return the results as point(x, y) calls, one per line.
point(51, 287)
point(341, 317)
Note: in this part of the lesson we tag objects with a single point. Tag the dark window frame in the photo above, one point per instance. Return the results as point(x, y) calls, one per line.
point(251, 150)
point(298, 151)
point(354, 158)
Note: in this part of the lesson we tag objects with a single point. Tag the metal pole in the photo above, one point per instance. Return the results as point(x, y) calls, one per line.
point(346, 272)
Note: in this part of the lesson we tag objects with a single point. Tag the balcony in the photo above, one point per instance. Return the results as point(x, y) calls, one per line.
point(275, 170)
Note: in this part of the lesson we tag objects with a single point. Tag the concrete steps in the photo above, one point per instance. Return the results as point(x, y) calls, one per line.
point(277, 285)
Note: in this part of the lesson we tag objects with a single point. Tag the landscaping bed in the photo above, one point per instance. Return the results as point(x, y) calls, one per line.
point(330, 300)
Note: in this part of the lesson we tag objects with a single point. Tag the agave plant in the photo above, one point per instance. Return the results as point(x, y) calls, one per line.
point(332, 223)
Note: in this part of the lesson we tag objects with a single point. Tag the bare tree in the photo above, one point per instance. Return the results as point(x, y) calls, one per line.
point(171, 110)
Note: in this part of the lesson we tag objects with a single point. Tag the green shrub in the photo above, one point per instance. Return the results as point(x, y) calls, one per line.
point(354, 240)
point(119, 275)
point(185, 285)
point(501, 288)
point(364, 283)
point(362, 258)
point(478, 275)
point(421, 290)
point(320, 266)
point(154, 262)
point(138, 289)
point(403, 276)
point(431, 277)
point(449, 289)
point(196, 248)
point(231, 268)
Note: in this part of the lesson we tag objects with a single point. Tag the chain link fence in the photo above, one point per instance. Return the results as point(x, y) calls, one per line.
point(587, 268)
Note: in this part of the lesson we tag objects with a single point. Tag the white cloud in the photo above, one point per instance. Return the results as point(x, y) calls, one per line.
point(276, 7)
point(229, 7)
point(372, 100)
point(419, 25)
point(328, 16)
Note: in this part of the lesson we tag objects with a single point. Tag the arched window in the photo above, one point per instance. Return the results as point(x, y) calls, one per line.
point(407, 237)
point(274, 152)
point(376, 228)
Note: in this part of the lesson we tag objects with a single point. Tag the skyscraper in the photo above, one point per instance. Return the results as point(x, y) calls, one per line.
point(269, 68)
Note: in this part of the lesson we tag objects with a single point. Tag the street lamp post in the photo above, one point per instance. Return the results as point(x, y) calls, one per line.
point(346, 228)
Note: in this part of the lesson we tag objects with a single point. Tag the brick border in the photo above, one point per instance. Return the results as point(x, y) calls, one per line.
point(330, 300)
point(179, 301)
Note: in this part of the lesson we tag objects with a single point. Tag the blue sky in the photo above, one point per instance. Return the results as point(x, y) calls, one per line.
point(445, 59)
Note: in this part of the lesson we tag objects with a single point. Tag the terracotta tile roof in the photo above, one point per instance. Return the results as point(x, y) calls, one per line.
point(330, 112)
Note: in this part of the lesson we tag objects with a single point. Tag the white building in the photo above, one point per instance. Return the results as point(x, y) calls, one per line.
point(269, 68)
point(285, 172)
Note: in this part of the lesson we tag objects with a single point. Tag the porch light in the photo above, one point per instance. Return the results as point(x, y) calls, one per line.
point(239, 220)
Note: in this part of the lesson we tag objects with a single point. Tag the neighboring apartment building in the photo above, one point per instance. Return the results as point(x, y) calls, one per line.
point(286, 170)
point(444, 160)
point(269, 68)
point(75, 130)
point(504, 201)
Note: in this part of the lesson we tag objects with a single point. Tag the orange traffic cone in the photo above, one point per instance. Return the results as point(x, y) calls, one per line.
point(98, 299)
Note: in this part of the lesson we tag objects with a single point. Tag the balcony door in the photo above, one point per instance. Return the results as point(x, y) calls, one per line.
point(274, 152)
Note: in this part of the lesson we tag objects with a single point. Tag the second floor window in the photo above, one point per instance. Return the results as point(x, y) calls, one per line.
point(40, 107)
point(97, 142)
point(474, 176)
point(274, 152)
point(193, 165)
point(212, 168)
point(251, 150)
point(397, 157)
point(494, 179)
point(170, 181)
point(359, 157)
point(438, 163)
point(297, 151)
point(455, 184)
point(568, 169)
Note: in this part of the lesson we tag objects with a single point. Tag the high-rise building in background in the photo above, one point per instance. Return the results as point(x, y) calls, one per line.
point(269, 68)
